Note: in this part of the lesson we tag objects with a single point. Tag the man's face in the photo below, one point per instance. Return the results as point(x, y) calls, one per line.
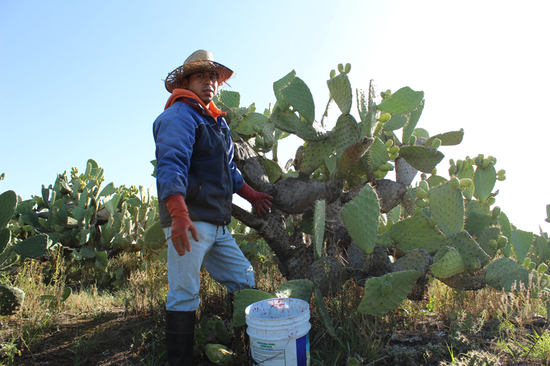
point(204, 84)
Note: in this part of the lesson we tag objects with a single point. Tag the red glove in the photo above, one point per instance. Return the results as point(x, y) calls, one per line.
point(260, 201)
point(181, 224)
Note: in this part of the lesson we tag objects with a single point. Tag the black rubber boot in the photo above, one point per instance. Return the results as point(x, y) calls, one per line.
point(180, 327)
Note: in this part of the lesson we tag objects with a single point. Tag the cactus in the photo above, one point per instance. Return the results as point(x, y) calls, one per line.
point(449, 265)
point(404, 172)
point(219, 354)
point(11, 299)
point(402, 101)
point(507, 274)
point(351, 156)
point(447, 208)
point(417, 259)
point(412, 233)
point(422, 158)
point(361, 217)
point(522, 241)
point(473, 256)
point(484, 180)
point(340, 91)
point(314, 155)
point(385, 293)
point(242, 299)
point(319, 227)
point(297, 289)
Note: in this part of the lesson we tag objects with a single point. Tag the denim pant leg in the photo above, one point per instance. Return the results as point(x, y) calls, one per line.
point(227, 264)
point(184, 271)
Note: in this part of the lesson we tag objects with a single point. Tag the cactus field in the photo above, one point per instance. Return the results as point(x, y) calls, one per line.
point(403, 261)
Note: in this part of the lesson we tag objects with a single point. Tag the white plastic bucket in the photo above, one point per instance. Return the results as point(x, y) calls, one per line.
point(279, 332)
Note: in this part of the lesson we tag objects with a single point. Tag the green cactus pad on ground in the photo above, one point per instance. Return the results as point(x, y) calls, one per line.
point(451, 264)
point(507, 274)
point(242, 299)
point(361, 217)
point(473, 256)
point(422, 158)
point(412, 233)
point(447, 207)
point(219, 354)
point(297, 289)
point(377, 300)
point(340, 91)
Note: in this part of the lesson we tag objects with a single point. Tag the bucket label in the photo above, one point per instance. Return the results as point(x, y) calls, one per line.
point(292, 352)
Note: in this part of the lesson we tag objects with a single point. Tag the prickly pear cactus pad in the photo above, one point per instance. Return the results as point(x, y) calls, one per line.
point(448, 138)
point(422, 158)
point(386, 293)
point(488, 240)
point(315, 153)
point(319, 227)
point(521, 242)
point(297, 289)
point(346, 132)
point(450, 265)
point(473, 256)
point(351, 156)
point(476, 222)
point(8, 202)
point(402, 101)
point(323, 312)
point(340, 90)
point(404, 172)
point(377, 154)
point(299, 96)
point(361, 216)
point(242, 299)
point(412, 233)
point(33, 247)
point(390, 194)
point(11, 299)
point(447, 207)
point(484, 180)
point(507, 274)
point(219, 354)
point(418, 259)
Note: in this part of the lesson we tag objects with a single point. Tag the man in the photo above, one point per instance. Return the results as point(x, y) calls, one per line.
point(196, 179)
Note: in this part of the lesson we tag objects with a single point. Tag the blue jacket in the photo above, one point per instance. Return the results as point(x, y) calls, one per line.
point(195, 159)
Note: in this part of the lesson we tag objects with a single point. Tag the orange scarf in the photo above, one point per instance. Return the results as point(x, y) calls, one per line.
point(211, 108)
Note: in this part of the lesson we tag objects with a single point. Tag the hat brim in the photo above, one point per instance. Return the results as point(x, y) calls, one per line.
point(175, 78)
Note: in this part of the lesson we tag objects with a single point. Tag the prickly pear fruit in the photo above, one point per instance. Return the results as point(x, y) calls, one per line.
point(384, 117)
point(424, 185)
point(340, 68)
point(412, 140)
point(421, 193)
point(543, 267)
point(502, 242)
point(466, 182)
point(389, 143)
point(527, 262)
point(501, 172)
point(332, 73)
point(393, 150)
point(493, 244)
point(436, 143)
point(455, 183)
point(347, 68)
point(496, 212)
point(219, 354)
point(419, 202)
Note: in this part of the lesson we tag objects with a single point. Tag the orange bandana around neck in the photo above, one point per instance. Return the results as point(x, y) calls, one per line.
point(211, 108)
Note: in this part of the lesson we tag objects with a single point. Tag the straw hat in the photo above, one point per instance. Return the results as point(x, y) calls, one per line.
point(200, 60)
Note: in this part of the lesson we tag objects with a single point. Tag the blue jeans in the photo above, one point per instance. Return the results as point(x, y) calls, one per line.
point(218, 252)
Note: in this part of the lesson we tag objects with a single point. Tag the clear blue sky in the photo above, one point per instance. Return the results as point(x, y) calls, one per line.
point(82, 79)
